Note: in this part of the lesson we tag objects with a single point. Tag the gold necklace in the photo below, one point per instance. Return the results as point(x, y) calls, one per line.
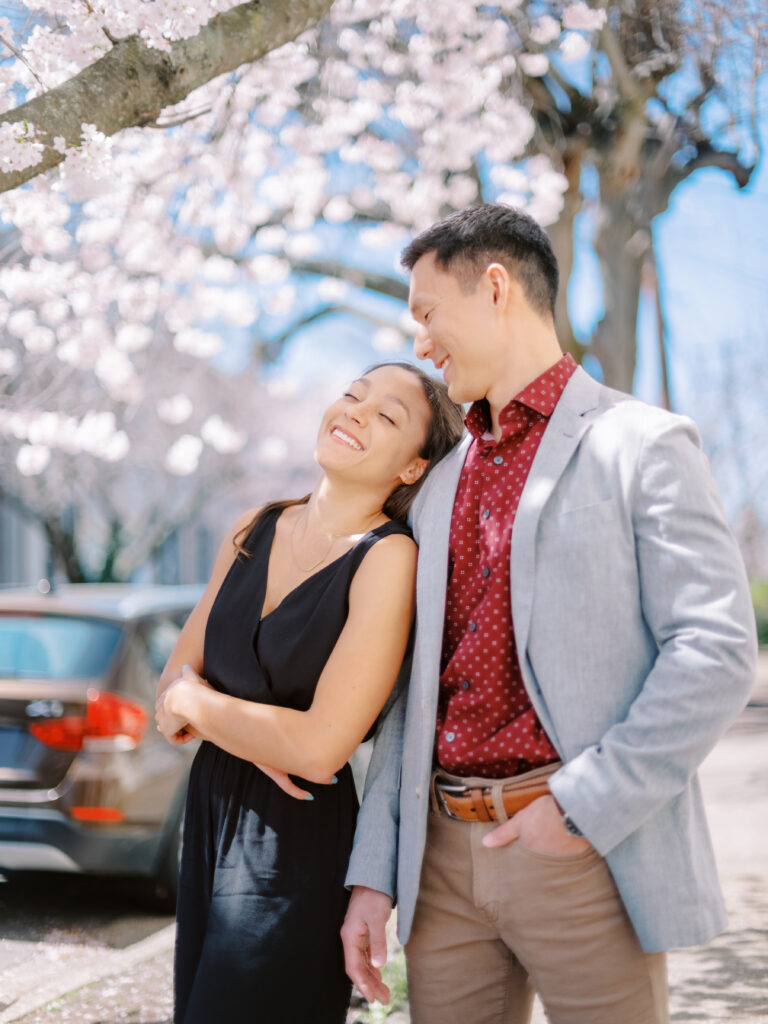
point(314, 565)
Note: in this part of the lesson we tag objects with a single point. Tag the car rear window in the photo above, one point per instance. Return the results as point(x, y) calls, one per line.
point(55, 646)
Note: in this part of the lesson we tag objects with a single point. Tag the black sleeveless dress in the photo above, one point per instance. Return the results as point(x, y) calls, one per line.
point(261, 890)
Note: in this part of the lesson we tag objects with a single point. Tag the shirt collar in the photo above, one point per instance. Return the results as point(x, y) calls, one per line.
point(540, 396)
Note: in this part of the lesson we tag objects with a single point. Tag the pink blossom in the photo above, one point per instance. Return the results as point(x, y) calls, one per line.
point(580, 16)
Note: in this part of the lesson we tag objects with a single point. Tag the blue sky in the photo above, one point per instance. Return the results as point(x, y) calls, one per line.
point(713, 243)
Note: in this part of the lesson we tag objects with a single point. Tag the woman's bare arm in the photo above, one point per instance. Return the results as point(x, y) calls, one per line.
point(189, 647)
point(350, 693)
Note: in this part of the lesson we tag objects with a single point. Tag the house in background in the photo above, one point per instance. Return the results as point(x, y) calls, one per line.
point(23, 549)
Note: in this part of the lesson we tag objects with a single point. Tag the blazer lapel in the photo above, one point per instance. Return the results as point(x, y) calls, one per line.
point(433, 528)
point(571, 418)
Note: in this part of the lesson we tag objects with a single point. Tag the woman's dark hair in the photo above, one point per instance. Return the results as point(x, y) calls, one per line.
point(445, 428)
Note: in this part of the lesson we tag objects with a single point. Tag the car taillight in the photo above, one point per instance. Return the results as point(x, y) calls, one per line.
point(110, 722)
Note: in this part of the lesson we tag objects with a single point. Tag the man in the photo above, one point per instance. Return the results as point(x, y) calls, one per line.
point(584, 636)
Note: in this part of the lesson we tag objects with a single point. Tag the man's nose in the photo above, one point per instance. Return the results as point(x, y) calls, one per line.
point(422, 343)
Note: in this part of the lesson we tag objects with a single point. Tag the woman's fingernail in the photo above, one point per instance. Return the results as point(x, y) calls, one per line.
point(185, 666)
point(334, 780)
point(309, 797)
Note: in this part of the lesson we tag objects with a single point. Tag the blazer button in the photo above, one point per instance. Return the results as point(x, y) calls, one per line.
point(472, 627)
point(486, 513)
point(450, 736)
point(497, 460)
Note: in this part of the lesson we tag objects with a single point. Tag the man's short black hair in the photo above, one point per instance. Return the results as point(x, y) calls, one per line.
point(467, 242)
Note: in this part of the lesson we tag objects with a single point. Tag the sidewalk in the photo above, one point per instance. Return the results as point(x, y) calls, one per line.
point(725, 981)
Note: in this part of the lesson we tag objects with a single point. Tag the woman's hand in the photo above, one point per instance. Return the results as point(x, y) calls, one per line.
point(175, 728)
point(284, 781)
point(171, 721)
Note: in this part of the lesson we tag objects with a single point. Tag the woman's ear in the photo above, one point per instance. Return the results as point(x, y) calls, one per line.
point(414, 471)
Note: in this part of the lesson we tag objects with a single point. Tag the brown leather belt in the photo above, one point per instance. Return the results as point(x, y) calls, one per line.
point(477, 799)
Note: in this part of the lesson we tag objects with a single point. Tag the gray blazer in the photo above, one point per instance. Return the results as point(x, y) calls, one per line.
point(635, 633)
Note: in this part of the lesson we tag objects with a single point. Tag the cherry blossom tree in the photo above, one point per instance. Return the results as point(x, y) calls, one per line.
point(142, 249)
point(176, 179)
point(672, 88)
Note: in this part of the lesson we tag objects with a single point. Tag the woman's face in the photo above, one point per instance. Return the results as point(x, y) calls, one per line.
point(374, 432)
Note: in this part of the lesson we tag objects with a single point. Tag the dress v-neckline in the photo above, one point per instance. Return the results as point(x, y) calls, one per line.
point(299, 586)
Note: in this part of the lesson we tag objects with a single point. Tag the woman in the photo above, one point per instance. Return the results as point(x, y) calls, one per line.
point(286, 662)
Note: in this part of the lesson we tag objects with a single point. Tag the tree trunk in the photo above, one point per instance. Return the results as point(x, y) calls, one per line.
point(114, 548)
point(63, 549)
point(621, 246)
point(561, 234)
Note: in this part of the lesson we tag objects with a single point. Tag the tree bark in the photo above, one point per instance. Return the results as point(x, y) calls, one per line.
point(63, 548)
point(561, 235)
point(621, 246)
point(132, 83)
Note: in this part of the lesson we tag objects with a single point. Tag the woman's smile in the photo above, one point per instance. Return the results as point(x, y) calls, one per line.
point(345, 438)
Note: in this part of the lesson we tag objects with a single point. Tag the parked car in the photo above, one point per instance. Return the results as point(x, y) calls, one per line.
point(87, 783)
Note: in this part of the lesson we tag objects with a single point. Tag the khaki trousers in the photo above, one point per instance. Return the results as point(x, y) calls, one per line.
point(493, 925)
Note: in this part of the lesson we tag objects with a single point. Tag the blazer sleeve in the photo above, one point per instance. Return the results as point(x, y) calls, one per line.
point(696, 602)
point(373, 862)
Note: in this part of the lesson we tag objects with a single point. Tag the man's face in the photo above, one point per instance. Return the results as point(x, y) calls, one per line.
point(455, 329)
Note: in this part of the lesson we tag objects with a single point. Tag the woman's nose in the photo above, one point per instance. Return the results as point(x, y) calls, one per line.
point(358, 412)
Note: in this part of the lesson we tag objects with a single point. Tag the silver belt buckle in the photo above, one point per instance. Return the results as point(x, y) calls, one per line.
point(441, 789)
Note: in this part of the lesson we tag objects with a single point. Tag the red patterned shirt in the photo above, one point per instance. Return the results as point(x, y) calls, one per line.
point(485, 722)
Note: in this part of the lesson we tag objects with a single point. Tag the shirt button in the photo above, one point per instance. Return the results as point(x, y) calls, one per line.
point(486, 513)
point(450, 736)
point(486, 572)
point(465, 684)
point(498, 460)
point(472, 627)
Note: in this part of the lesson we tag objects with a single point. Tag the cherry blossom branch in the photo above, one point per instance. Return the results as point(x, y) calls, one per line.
point(269, 350)
point(708, 155)
point(627, 85)
point(20, 56)
point(357, 276)
point(131, 84)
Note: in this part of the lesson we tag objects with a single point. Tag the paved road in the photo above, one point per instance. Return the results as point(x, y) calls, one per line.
point(74, 950)
point(58, 931)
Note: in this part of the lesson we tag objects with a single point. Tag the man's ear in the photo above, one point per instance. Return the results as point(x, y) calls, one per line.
point(414, 471)
point(500, 283)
